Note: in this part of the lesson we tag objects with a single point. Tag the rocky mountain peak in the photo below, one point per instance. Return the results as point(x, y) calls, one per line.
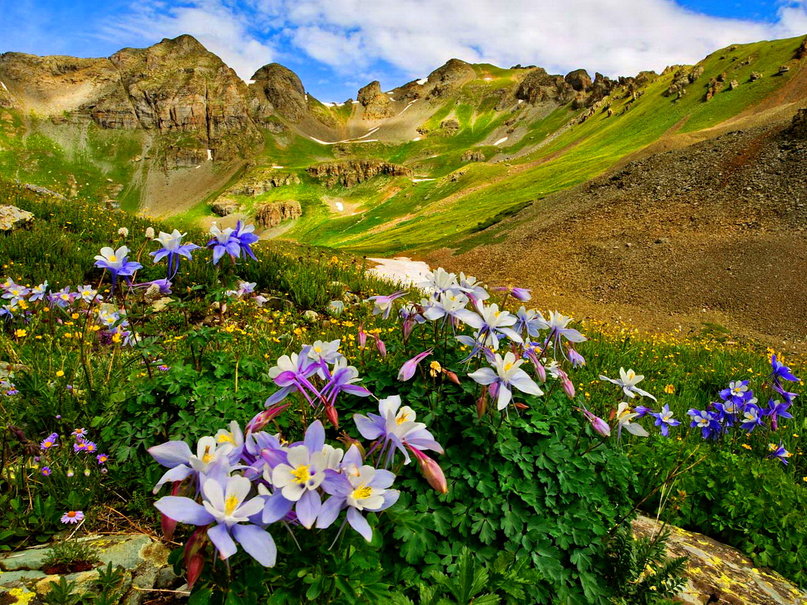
point(375, 102)
point(276, 88)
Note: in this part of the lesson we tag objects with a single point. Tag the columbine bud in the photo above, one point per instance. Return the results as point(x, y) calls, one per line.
point(382, 348)
point(167, 524)
point(597, 423)
point(332, 414)
point(362, 337)
point(431, 471)
point(263, 418)
point(194, 560)
point(451, 376)
point(482, 404)
point(408, 368)
point(568, 387)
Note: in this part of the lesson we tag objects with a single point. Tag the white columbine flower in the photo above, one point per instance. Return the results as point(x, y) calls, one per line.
point(508, 374)
point(628, 380)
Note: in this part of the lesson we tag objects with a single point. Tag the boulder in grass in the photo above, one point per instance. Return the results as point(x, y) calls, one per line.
point(12, 218)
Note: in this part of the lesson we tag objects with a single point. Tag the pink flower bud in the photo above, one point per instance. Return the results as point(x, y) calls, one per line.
point(568, 387)
point(408, 368)
point(431, 471)
point(194, 559)
point(167, 524)
point(332, 414)
point(597, 423)
point(265, 417)
point(382, 348)
point(362, 337)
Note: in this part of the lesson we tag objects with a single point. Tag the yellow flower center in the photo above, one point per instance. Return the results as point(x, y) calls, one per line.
point(401, 418)
point(301, 474)
point(631, 375)
point(226, 438)
point(508, 366)
point(362, 492)
point(230, 504)
point(317, 349)
point(113, 258)
point(207, 457)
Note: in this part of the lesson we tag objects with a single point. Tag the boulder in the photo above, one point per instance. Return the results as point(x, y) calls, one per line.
point(449, 126)
point(755, 75)
point(260, 181)
point(449, 77)
point(579, 80)
point(272, 214)
point(538, 86)
point(12, 218)
point(719, 574)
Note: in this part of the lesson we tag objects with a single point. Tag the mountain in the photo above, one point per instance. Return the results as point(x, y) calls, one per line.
point(511, 171)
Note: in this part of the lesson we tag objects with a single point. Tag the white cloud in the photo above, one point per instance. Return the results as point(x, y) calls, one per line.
point(615, 37)
point(218, 27)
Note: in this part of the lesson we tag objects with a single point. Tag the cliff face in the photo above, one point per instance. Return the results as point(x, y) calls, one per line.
point(352, 172)
point(277, 89)
point(176, 86)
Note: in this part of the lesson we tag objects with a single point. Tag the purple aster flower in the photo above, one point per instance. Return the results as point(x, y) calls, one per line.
point(226, 508)
point(394, 427)
point(46, 471)
point(357, 487)
point(706, 422)
point(507, 374)
point(173, 249)
point(665, 420)
point(49, 441)
point(383, 304)
point(72, 516)
point(102, 458)
point(117, 263)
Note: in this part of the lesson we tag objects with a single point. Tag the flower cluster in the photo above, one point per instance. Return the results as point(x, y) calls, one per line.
point(71, 456)
point(237, 484)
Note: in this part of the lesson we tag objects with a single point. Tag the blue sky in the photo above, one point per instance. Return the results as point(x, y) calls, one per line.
point(337, 46)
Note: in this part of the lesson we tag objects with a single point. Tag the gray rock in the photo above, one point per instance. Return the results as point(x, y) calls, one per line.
point(12, 218)
point(13, 578)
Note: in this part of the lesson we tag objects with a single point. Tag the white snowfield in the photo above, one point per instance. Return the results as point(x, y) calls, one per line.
point(400, 270)
point(500, 141)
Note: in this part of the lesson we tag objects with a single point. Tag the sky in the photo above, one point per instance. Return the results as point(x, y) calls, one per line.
point(337, 46)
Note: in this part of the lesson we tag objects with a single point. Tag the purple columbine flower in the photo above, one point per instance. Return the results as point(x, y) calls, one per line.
point(489, 322)
point(245, 237)
point(383, 304)
point(508, 374)
point(737, 392)
point(781, 371)
point(357, 487)
point(664, 420)
point(528, 322)
point(779, 452)
point(304, 471)
point(558, 330)
point(14, 291)
point(292, 373)
point(776, 410)
point(343, 380)
point(706, 422)
point(63, 298)
point(597, 423)
point(576, 359)
point(394, 427)
point(173, 249)
point(117, 263)
point(227, 509)
point(408, 368)
point(211, 458)
point(522, 294)
point(223, 243)
point(751, 418)
point(38, 292)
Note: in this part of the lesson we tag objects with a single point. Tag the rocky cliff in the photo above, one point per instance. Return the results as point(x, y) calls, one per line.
point(273, 213)
point(352, 172)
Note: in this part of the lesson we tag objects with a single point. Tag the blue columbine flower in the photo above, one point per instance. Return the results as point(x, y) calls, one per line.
point(507, 374)
point(737, 392)
point(117, 263)
point(356, 487)
point(779, 452)
point(664, 420)
point(776, 410)
point(706, 421)
point(227, 509)
point(751, 418)
point(173, 249)
point(781, 371)
point(245, 237)
point(223, 243)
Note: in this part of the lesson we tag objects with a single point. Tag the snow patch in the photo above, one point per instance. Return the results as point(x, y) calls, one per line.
point(421, 180)
point(422, 81)
point(209, 155)
point(340, 206)
point(400, 270)
point(416, 139)
point(520, 101)
point(488, 79)
point(500, 141)
point(277, 167)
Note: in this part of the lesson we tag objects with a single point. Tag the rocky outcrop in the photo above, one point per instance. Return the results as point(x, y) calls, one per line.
point(450, 126)
point(578, 79)
point(12, 218)
point(719, 574)
point(473, 155)
point(5, 96)
point(377, 105)
point(447, 78)
point(261, 181)
point(277, 89)
point(349, 173)
point(798, 128)
point(538, 87)
point(801, 51)
point(224, 206)
point(272, 214)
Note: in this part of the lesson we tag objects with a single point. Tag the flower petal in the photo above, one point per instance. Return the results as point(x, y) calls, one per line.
point(257, 542)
